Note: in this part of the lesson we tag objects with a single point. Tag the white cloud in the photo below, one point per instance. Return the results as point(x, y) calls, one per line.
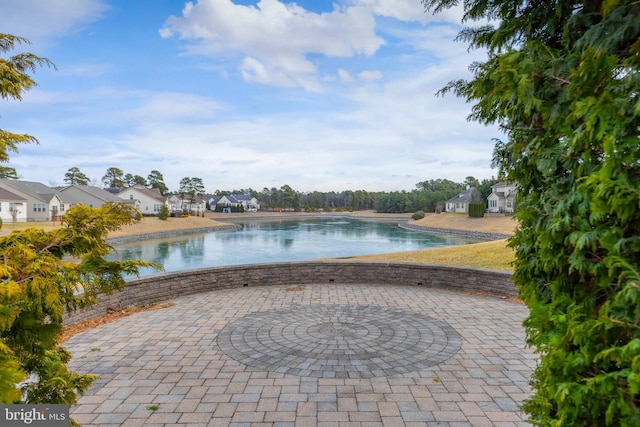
point(275, 38)
point(345, 76)
point(39, 20)
point(369, 75)
point(168, 106)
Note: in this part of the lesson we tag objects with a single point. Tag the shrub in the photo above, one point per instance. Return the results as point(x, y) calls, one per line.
point(163, 213)
point(418, 215)
point(476, 210)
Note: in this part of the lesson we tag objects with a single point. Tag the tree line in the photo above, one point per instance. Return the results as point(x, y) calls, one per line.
point(428, 196)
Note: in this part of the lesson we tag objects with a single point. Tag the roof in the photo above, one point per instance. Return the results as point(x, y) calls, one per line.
point(8, 195)
point(153, 193)
point(464, 197)
point(34, 189)
point(239, 198)
point(503, 184)
point(96, 192)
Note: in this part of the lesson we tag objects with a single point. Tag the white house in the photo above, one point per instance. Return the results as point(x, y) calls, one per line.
point(248, 203)
point(460, 203)
point(195, 205)
point(39, 202)
point(12, 207)
point(502, 198)
point(147, 200)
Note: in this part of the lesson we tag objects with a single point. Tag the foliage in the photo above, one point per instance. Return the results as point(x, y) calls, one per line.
point(563, 81)
point(14, 81)
point(156, 180)
point(114, 178)
point(476, 210)
point(418, 215)
point(75, 177)
point(44, 274)
point(131, 180)
point(8, 173)
point(163, 213)
point(193, 187)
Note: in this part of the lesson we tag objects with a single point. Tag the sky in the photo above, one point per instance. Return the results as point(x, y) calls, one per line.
point(317, 95)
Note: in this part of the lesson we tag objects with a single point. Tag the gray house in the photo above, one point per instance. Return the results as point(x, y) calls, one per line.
point(86, 195)
point(460, 203)
point(42, 203)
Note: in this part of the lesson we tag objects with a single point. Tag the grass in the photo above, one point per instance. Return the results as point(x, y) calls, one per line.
point(493, 255)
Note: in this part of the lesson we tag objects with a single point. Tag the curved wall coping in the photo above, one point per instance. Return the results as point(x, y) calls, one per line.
point(160, 287)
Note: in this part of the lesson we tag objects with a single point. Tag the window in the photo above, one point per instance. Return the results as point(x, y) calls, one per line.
point(509, 203)
point(130, 196)
point(0, 206)
point(39, 207)
point(61, 207)
point(156, 208)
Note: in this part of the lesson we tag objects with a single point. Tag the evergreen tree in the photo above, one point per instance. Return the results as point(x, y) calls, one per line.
point(75, 177)
point(562, 79)
point(114, 178)
point(40, 283)
point(14, 80)
point(156, 180)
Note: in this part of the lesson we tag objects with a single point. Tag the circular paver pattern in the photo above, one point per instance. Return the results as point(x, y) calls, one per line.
point(339, 341)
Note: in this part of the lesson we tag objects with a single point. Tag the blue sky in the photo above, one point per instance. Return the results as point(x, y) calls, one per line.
point(318, 95)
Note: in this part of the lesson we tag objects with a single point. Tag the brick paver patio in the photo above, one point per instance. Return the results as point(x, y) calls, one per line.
point(312, 355)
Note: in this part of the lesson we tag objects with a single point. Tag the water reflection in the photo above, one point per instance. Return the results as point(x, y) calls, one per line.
point(278, 241)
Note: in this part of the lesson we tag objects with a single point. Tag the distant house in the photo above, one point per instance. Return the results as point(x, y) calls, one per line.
point(194, 205)
point(248, 203)
point(502, 198)
point(147, 200)
point(460, 203)
point(41, 203)
point(174, 203)
point(93, 197)
point(12, 207)
point(213, 202)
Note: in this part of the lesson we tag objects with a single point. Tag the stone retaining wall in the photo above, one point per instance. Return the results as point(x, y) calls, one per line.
point(481, 235)
point(156, 288)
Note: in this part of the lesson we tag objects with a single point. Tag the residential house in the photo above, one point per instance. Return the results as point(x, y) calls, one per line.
point(460, 203)
point(147, 200)
point(194, 205)
point(502, 198)
point(174, 203)
point(41, 203)
point(12, 207)
point(248, 203)
point(213, 202)
point(93, 197)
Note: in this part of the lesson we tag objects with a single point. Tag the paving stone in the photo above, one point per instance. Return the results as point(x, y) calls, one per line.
point(330, 355)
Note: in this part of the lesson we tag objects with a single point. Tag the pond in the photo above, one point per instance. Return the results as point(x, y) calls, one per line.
point(281, 241)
